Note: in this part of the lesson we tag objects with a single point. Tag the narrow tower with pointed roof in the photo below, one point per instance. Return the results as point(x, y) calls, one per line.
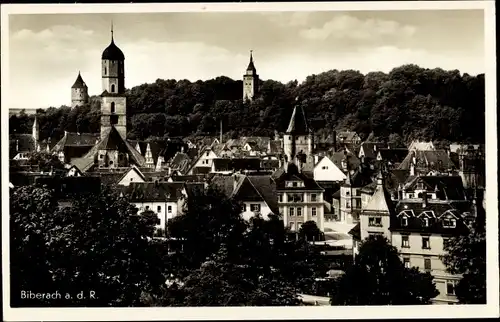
point(298, 141)
point(113, 100)
point(250, 80)
point(79, 92)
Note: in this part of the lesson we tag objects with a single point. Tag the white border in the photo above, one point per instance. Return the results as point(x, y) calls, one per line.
point(265, 313)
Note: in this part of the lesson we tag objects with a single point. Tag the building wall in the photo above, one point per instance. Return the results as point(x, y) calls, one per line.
point(120, 112)
point(250, 83)
point(417, 255)
point(326, 170)
point(79, 97)
point(113, 73)
point(306, 207)
point(114, 159)
point(167, 211)
point(248, 213)
point(367, 230)
point(205, 160)
point(131, 176)
point(350, 199)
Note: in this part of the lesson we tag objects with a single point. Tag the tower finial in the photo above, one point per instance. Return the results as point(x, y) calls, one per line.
point(112, 39)
point(251, 56)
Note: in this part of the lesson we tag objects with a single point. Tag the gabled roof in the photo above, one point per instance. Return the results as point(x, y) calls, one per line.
point(293, 175)
point(112, 140)
point(298, 122)
point(347, 135)
point(255, 188)
point(133, 169)
point(428, 159)
point(72, 139)
point(337, 157)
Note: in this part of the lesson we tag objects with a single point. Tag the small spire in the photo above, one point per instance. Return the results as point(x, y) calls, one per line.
point(251, 56)
point(112, 38)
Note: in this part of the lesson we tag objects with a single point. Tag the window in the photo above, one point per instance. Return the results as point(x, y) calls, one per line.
point(158, 209)
point(375, 221)
point(294, 184)
point(244, 207)
point(406, 262)
point(255, 207)
point(449, 223)
point(105, 70)
point(427, 264)
point(291, 212)
point(112, 107)
point(405, 241)
point(299, 211)
point(292, 226)
point(426, 243)
point(313, 197)
point(295, 197)
point(313, 211)
point(426, 222)
point(450, 288)
point(325, 167)
point(112, 88)
point(147, 207)
point(404, 221)
point(101, 156)
point(280, 197)
point(169, 209)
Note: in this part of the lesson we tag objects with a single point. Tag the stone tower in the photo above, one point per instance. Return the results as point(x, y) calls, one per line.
point(298, 141)
point(79, 92)
point(250, 80)
point(113, 100)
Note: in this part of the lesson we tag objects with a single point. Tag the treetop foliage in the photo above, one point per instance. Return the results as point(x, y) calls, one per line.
point(410, 102)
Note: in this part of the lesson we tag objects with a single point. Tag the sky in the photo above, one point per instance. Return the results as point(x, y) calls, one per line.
point(47, 51)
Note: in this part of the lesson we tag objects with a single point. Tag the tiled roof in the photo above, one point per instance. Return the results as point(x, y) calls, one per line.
point(380, 201)
point(225, 184)
point(79, 83)
point(275, 147)
point(393, 155)
point(77, 139)
point(337, 157)
point(154, 191)
point(193, 178)
point(415, 212)
point(258, 188)
point(236, 164)
point(83, 164)
point(428, 159)
point(294, 175)
point(371, 148)
point(355, 232)
point(112, 140)
point(201, 170)
point(269, 164)
point(448, 187)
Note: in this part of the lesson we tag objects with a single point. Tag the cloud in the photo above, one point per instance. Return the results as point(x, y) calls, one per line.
point(289, 19)
point(346, 26)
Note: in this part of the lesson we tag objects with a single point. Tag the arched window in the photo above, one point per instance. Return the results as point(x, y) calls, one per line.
point(112, 106)
point(112, 88)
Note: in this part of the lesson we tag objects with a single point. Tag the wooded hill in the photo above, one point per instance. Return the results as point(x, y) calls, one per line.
point(408, 103)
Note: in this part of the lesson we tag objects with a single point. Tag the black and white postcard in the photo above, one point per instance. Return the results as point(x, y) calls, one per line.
point(259, 160)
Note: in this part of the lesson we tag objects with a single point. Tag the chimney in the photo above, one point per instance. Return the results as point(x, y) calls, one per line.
point(316, 159)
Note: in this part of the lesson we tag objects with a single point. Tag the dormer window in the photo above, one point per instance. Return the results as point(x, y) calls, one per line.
point(426, 222)
point(404, 221)
point(449, 222)
point(294, 184)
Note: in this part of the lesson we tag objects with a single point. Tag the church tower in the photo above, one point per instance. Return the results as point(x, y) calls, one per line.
point(113, 100)
point(298, 141)
point(36, 134)
point(79, 92)
point(250, 81)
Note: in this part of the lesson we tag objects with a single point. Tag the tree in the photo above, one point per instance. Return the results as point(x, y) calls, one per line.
point(221, 282)
point(310, 231)
point(466, 255)
point(45, 161)
point(98, 246)
point(378, 277)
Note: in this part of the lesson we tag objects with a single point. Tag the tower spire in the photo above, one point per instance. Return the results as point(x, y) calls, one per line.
point(112, 39)
point(251, 56)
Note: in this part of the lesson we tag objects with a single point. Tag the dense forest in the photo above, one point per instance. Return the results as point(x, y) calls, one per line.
point(408, 103)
